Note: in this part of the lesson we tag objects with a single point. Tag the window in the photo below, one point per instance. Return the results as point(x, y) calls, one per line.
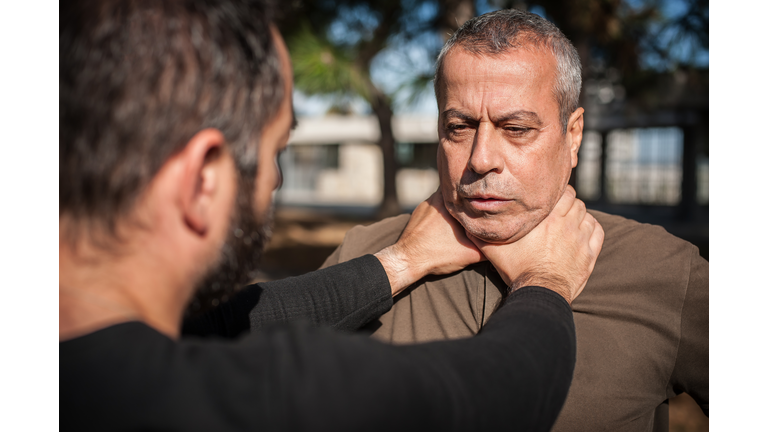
point(417, 155)
point(644, 166)
point(301, 165)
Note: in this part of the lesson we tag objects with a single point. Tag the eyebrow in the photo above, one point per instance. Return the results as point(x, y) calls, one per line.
point(523, 115)
point(528, 116)
point(458, 114)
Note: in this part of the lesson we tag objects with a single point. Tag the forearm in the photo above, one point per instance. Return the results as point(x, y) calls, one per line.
point(344, 297)
point(515, 374)
point(400, 273)
point(523, 362)
point(528, 351)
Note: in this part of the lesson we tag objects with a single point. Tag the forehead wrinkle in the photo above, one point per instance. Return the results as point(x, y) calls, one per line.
point(471, 104)
point(479, 93)
point(475, 87)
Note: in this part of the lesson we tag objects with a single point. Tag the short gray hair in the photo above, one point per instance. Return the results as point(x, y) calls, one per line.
point(500, 31)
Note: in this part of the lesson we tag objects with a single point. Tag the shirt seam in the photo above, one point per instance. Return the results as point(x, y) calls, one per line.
point(680, 314)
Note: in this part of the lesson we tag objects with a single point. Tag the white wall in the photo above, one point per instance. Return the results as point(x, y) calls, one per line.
point(359, 177)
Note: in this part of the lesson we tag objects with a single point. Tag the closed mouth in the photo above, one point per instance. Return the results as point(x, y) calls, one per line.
point(482, 198)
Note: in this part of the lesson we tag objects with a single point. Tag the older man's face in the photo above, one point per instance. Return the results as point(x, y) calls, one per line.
point(503, 158)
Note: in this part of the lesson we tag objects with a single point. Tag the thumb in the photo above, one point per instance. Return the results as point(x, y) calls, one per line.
point(485, 248)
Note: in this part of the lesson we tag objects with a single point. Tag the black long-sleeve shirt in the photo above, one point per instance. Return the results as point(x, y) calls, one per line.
point(514, 375)
point(344, 299)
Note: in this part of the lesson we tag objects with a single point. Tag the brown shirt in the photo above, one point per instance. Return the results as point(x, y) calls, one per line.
point(642, 322)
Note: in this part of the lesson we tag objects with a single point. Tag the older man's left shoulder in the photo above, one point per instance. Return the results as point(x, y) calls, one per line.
point(641, 328)
point(635, 240)
point(636, 255)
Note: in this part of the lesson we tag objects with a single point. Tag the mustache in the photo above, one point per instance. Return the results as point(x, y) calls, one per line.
point(487, 185)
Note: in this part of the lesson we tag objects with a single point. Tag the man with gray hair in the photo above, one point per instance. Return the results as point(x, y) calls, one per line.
point(507, 86)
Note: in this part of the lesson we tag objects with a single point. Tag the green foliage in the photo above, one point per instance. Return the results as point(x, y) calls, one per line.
point(415, 87)
point(322, 68)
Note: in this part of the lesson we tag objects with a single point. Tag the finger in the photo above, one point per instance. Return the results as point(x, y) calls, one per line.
point(479, 244)
point(420, 212)
point(566, 201)
point(595, 244)
point(436, 197)
point(478, 254)
point(588, 223)
point(578, 210)
point(463, 238)
point(578, 291)
point(596, 240)
point(485, 249)
point(437, 202)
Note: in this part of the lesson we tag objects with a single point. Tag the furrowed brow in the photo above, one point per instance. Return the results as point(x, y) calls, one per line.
point(525, 116)
point(454, 113)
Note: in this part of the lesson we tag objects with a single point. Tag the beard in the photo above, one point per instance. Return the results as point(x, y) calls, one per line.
point(240, 254)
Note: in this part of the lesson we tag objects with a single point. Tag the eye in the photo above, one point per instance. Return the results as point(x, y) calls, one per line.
point(458, 128)
point(517, 131)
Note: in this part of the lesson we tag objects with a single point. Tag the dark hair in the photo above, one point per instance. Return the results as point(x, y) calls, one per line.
point(139, 78)
point(501, 31)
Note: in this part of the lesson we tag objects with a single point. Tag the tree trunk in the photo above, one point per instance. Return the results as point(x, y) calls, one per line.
point(390, 206)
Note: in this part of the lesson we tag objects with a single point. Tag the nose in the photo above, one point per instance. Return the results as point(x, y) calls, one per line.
point(486, 157)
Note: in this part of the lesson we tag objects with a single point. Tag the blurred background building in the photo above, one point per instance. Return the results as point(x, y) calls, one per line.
point(334, 161)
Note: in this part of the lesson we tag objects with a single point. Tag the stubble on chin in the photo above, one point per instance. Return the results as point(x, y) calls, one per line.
point(497, 228)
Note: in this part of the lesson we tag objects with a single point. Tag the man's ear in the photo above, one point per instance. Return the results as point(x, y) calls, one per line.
point(207, 169)
point(574, 133)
